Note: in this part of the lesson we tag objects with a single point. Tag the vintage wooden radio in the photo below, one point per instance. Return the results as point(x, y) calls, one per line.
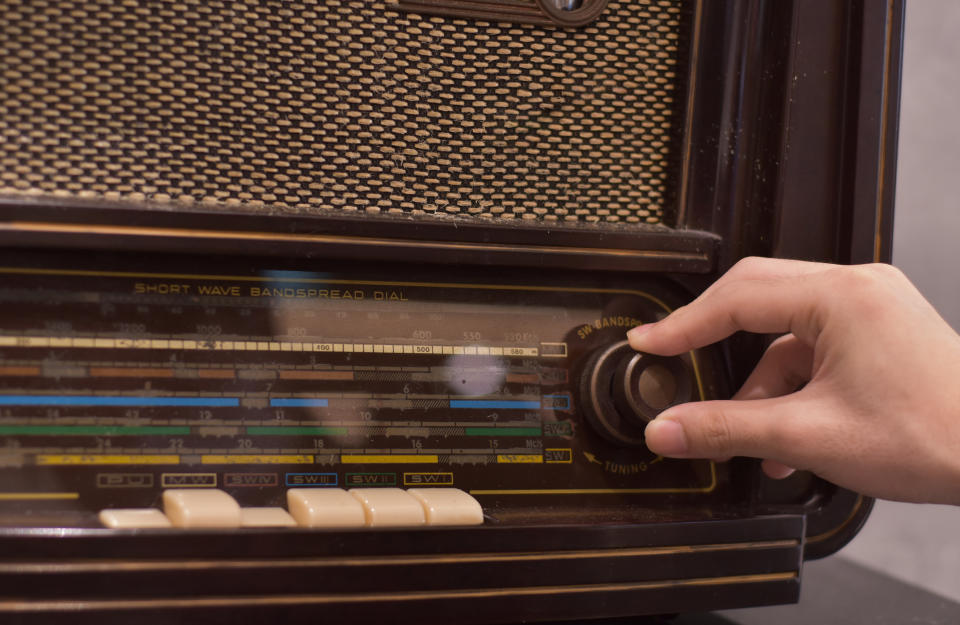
point(315, 309)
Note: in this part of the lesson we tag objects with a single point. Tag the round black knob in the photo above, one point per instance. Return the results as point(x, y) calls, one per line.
point(622, 390)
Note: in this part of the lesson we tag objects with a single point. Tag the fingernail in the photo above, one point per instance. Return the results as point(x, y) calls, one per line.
point(639, 331)
point(666, 437)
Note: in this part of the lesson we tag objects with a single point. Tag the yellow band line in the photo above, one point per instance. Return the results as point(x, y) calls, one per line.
point(389, 459)
point(255, 459)
point(103, 459)
point(37, 496)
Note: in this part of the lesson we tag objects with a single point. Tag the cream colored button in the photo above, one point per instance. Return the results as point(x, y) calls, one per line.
point(265, 517)
point(134, 518)
point(201, 507)
point(389, 507)
point(448, 506)
point(324, 507)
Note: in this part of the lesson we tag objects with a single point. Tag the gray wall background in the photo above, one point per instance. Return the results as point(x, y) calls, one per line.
point(915, 543)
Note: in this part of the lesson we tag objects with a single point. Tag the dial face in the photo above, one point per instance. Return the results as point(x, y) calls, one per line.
point(118, 383)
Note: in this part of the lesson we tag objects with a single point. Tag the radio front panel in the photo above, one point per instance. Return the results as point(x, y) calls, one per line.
point(120, 383)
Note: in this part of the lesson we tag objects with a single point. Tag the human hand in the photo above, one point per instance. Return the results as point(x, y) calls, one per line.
point(879, 407)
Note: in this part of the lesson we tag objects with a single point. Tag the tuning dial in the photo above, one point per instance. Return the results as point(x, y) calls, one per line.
point(622, 390)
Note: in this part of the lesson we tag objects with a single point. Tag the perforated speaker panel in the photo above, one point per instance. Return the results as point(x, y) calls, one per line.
point(343, 105)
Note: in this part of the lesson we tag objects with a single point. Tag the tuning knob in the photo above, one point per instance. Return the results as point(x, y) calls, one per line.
point(622, 390)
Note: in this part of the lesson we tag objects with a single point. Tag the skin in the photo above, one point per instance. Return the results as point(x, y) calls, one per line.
point(878, 410)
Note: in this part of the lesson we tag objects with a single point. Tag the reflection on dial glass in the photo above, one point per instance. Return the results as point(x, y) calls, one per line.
point(475, 375)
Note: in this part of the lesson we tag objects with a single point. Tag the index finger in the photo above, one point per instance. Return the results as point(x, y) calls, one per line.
point(758, 295)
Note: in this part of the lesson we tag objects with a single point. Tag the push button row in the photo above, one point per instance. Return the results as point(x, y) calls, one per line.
point(308, 507)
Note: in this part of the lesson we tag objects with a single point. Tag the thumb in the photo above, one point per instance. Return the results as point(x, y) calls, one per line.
point(719, 429)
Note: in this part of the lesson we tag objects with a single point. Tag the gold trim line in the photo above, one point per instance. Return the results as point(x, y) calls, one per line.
point(16, 605)
point(28, 271)
point(884, 108)
point(605, 491)
point(833, 532)
point(326, 239)
point(688, 122)
point(212, 565)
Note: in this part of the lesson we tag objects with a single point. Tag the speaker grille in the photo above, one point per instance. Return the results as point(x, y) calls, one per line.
point(339, 105)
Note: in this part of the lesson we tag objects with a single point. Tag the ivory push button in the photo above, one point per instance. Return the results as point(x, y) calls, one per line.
point(201, 507)
point(134, 518)
point(324, 507)
point(265, 517)
point(389, 507)
point(448, 506)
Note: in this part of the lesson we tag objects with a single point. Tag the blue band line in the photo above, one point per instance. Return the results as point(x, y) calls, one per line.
point(500, 404)
point(296, 402)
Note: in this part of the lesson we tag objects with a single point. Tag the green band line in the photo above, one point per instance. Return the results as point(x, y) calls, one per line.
point(502, 431)
point(341, 431)
point(294, 431)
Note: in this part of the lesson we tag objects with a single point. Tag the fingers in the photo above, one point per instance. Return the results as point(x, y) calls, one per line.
point(760, 428)
point(758, 268)
point(785, 366)
point(775, 470)
point(766, 417)
point(762, 295)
